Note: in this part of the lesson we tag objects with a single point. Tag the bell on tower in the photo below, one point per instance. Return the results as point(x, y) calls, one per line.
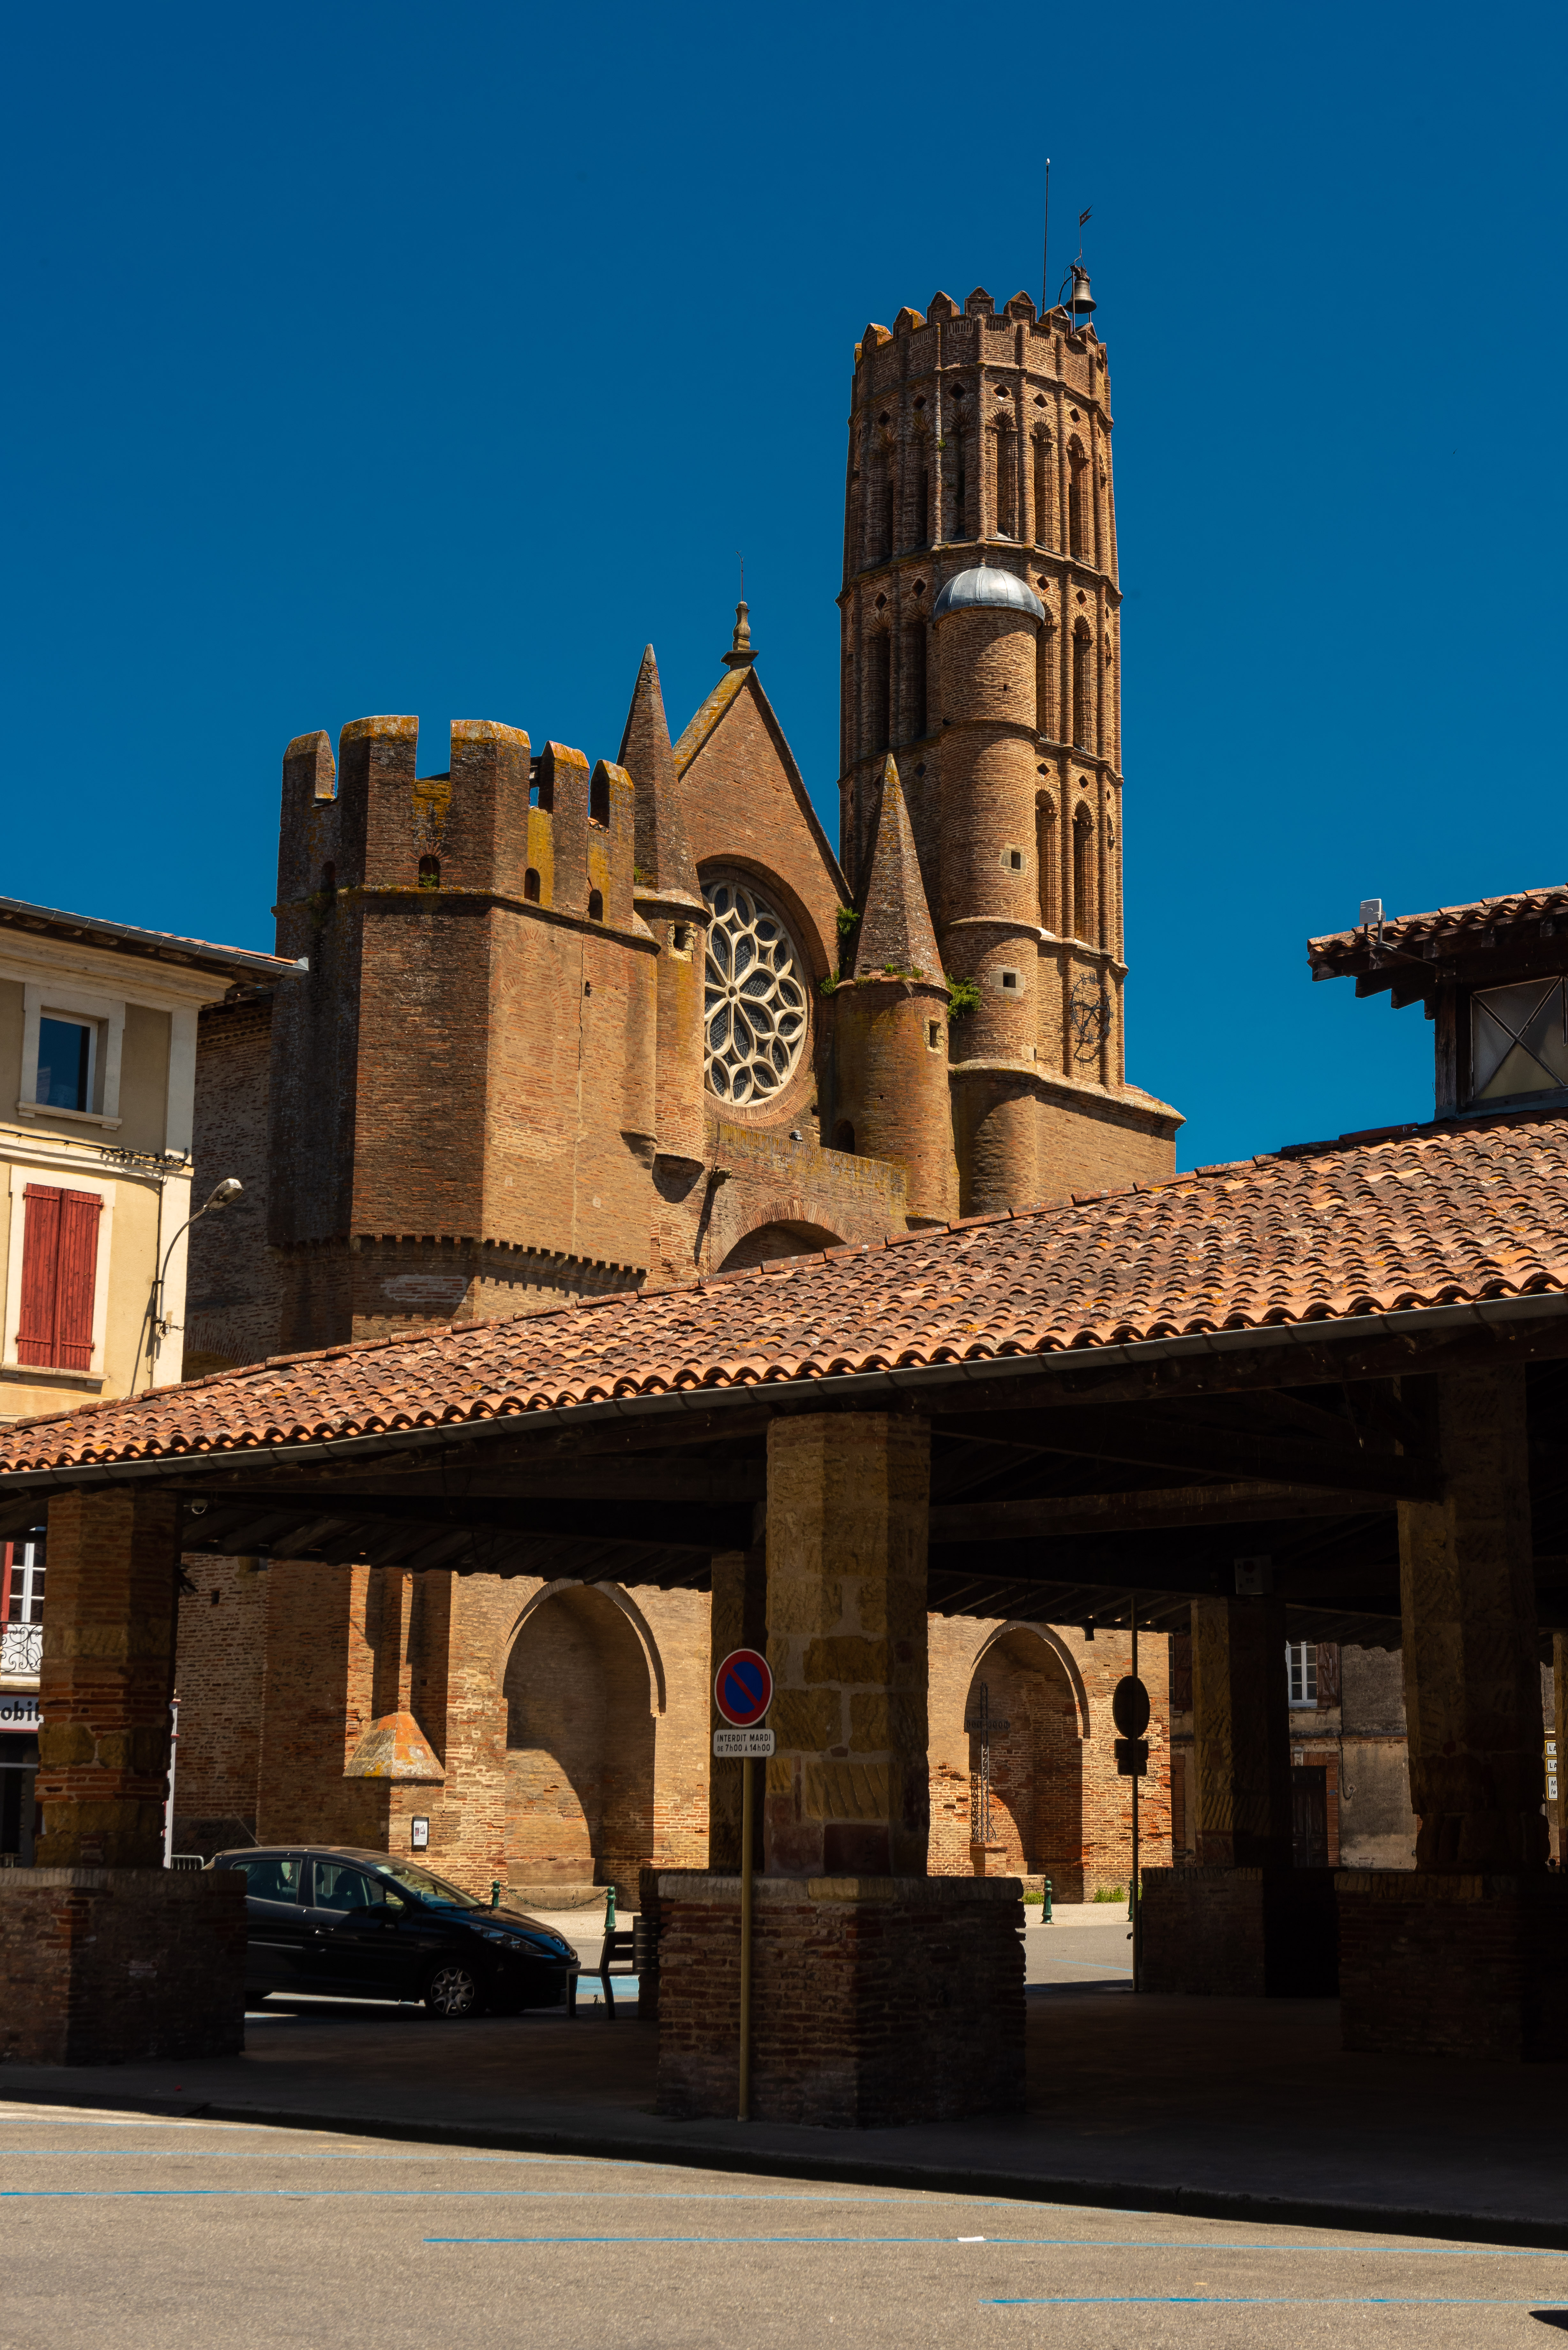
point(1081, 302)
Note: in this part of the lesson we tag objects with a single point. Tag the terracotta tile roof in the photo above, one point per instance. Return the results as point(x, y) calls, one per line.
point(1449, 928)
point(1414, 1217)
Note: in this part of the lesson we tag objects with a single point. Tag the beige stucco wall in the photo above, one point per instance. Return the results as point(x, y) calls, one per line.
point(10, 1046)
point(144, 1079)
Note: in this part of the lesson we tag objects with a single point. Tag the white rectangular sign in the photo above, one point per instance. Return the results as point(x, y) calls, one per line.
point(728, 1744)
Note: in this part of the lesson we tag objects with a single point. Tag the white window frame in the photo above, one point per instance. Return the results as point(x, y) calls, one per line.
point(1296, 1655)
point(93, 1031)
point(24, 1568)
point(64, 1179)
point(106, 1015)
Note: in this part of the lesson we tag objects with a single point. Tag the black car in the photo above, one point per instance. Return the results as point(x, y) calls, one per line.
point(357, 1925)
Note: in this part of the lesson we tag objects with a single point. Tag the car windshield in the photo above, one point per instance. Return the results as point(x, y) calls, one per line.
point(431, 1889)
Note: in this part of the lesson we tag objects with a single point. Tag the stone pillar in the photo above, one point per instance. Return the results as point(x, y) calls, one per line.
point(1240, 1733)
point(108, 1957)
point(1243, 1922)
point(879, 1994)
point(1559, 1723)
point(108, 1677)
point(738, 1620)
point(1466, 1954)
point(1473, 1671)
point(848, 1500)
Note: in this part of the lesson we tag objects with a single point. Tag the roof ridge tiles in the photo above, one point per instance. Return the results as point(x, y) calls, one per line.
point(1413, 1216)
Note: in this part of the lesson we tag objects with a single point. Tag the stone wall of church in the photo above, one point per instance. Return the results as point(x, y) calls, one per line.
point(571, 1726)
point(572, 1723)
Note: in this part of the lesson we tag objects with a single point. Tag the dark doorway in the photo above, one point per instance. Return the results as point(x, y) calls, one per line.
point(1309, 1815)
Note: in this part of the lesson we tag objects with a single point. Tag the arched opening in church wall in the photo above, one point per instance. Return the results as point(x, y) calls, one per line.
point(579, 1748)
point(1026, 1754)
point(772, 1241)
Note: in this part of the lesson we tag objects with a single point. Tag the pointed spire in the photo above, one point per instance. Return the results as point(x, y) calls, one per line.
point(663, 858)
point(740, 655)
point(895, 931)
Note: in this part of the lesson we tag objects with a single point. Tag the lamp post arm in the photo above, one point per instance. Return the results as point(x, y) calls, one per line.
point(229, 1189)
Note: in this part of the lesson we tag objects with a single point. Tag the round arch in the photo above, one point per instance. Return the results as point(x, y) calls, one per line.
point(1058, 1648)
point(1026, 1715)
point(767, 1242)
point(618, 1598)
point(580, 1691)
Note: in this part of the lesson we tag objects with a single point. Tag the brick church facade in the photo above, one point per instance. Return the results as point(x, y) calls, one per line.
point(574, 1026)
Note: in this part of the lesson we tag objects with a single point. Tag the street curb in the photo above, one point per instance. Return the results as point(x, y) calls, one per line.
point(848, 2170)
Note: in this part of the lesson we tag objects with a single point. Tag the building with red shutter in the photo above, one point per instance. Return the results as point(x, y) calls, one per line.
point(98, 1073)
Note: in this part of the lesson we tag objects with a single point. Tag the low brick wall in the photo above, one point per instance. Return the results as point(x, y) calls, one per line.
point(874, 2000)
point(1440, 1965)
point(106, 1966)
point(649, 1920)
point(1239, 1933)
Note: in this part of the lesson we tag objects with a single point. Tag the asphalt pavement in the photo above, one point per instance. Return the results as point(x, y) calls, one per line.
point(123, 2232)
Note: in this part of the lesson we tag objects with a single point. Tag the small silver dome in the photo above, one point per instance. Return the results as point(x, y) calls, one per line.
point(987, 583)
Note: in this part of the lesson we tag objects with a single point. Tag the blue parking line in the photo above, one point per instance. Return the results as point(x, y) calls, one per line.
point(1254, 2300)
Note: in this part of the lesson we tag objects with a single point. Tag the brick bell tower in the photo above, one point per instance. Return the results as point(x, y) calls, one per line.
point(980, 644)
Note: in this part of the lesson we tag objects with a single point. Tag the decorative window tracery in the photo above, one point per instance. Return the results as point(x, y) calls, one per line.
point(754, 997)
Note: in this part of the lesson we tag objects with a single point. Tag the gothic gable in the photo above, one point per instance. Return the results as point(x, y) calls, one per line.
point(743, 800)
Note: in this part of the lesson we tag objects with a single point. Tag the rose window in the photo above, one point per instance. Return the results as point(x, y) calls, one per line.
point(755, 1001)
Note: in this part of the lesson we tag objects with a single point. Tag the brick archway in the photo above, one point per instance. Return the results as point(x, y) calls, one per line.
point(1038, 1718)
point(580, 1726)
point(767, 1241)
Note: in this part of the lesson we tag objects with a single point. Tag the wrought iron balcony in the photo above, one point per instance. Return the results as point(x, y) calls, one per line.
point(21, 1651)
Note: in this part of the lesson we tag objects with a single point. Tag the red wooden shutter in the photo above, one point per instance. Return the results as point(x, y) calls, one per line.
point(78, 1280)
point(40, 1267)
point(59, 1269)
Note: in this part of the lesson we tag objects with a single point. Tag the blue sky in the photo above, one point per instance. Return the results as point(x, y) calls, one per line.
point(435, 359)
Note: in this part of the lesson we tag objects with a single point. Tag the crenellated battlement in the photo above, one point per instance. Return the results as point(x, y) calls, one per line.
point(1051, 344)
point(543, 830)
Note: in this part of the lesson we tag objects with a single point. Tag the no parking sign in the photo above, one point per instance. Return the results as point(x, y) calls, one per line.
point(742, 1691)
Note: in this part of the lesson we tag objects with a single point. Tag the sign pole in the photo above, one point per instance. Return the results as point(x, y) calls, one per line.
point(743, 1692)
point(748, 1816)
point(1136, 1921)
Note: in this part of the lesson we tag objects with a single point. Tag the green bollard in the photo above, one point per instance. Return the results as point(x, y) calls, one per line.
point(609, 1912)
point(495, 1893)
point(1045, 1920)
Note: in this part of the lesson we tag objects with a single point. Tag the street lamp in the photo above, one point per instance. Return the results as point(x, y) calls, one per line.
point(221, 1195)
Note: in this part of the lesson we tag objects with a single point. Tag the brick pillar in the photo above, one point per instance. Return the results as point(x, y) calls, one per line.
point(1467, 1953)
point(848, 1789)
point(1241, 1922)
point(1240, 1733)
point(1473, 1674)
point(738, 1620)
point(108, 1677)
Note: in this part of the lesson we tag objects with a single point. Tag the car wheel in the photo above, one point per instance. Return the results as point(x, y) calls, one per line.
point(453, 1990)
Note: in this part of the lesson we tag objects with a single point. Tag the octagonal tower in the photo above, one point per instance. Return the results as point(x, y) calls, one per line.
point(981, 645)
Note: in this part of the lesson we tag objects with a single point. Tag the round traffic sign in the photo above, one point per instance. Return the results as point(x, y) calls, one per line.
point(1129, 1707)
point(744, 1687)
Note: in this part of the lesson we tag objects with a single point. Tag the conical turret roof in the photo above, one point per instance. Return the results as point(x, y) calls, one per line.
point(895, 931)
point(663, 856)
